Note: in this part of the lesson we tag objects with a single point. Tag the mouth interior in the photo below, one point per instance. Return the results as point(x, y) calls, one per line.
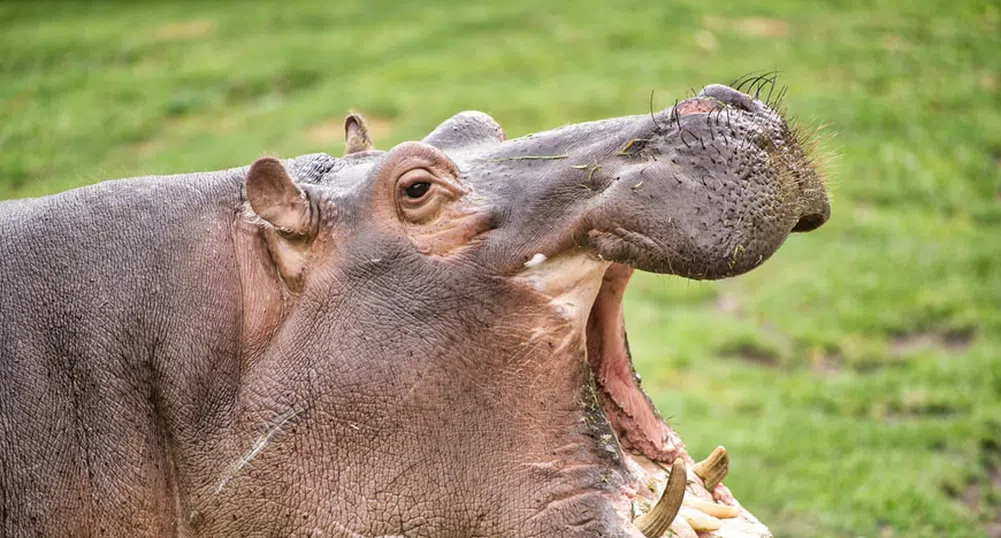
point(649, 446)
point(633, 417)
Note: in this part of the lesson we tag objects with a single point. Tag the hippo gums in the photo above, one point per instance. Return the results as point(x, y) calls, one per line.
point(420, 342)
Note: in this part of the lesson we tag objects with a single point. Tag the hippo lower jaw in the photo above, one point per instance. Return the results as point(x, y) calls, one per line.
point(702, 513)
point(588, 292)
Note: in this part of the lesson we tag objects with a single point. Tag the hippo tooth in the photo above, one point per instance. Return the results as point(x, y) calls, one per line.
point(713, 469)
point(654, 523)
point(711, 508)
point(682, 529)
point(700, 521)
point(536, 260)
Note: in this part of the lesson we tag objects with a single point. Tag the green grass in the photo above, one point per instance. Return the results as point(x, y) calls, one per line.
point(855, 377)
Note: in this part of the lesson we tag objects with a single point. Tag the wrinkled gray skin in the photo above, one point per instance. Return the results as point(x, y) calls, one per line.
point(171, 365)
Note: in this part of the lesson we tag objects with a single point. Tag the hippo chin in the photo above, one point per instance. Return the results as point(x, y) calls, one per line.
point(427, 341)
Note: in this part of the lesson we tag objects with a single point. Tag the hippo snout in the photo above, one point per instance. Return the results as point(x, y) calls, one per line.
point(815, 207)
point(720, 183)
point(808, 194)
point(709, 188)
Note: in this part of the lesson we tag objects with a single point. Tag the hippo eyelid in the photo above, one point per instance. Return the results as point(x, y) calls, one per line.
point(414, 176)
point(417, 175)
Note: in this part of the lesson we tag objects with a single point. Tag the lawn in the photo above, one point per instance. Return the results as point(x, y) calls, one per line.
point(855, 377)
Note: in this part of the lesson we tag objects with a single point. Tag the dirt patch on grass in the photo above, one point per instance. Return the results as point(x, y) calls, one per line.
point(907, 344)
point(951, 340)
point(149, 148)
point(180, 30)
point(957, 340)
point(749, 26)
point(919, 403)
point(979, 499)
point(728, 303)
point(982, 495)
point(762, 27)
point(989, 82)
point(825, 363)
point(751, 352)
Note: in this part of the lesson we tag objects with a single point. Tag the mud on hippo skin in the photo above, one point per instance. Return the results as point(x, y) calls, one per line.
point(427, 341)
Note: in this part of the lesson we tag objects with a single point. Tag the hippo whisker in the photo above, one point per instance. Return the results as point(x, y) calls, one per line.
point(767, 80)
point(750, 80)
point(779, 99)
point(739, 82)
point(754, 82)
point(652, 117)
point(681, 135)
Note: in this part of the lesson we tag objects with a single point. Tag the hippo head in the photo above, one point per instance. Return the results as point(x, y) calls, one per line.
point(445, 352)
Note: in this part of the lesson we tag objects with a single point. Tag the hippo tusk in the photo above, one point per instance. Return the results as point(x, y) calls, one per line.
point(713, 469)
point(654, 523)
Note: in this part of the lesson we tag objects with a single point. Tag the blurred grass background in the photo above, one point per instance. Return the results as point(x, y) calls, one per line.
point(855, 377)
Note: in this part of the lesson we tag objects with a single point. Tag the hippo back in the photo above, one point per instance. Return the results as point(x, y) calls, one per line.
point(116, 301)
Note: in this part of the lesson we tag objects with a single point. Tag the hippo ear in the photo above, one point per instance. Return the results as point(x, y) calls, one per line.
point(277, 200)
point(356, 134)
point(465, 129)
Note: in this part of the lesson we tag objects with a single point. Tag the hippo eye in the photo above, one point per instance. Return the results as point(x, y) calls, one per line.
point(422, 194)
point(417, 190)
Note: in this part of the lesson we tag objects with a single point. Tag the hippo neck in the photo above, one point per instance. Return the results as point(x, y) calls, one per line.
point(432, 398)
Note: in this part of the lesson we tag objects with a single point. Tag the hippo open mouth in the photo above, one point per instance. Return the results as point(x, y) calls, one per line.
point(730, 203)
point(652, 450)
point(632, 416)
point(588, 293)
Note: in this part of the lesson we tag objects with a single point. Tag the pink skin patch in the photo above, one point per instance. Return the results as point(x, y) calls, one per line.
point(691, 106)
point(630, 413)
point(723, 496)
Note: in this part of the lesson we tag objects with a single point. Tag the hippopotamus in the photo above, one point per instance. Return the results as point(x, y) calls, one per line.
point(420, 342)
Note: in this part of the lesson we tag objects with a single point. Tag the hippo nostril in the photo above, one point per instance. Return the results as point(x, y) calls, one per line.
point(810, 222)
point(729, 96)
